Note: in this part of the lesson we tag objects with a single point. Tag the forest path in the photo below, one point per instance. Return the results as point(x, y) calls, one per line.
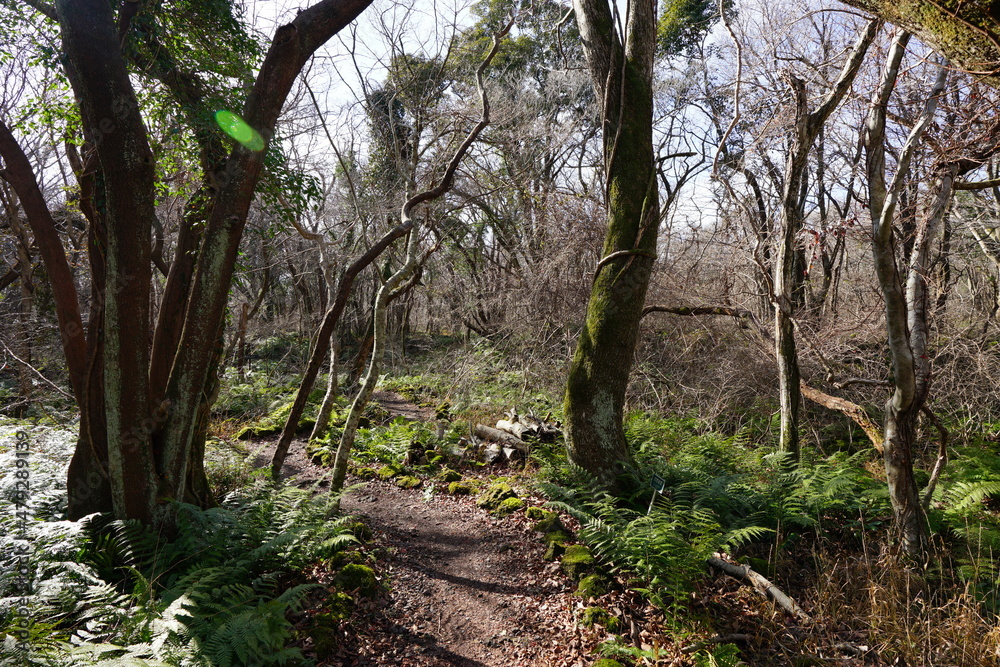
point(466, 589)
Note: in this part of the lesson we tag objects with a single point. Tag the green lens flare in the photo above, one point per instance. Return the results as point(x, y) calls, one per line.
point(238, 129)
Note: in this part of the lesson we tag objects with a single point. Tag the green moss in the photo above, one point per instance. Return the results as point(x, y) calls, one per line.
point(408, 482)
point(365, 472)
point(342, 558)
point(390, 471)
point(359, 578)
point(320, 453)
point(325, 627)
point(538, 514)
point(592, 616)
point(557, 537)
point(448, 475)
point(273, 423)
point(554, 530)
point(497, 492)
point(460, 489)
point(359, 530)
point(592, 586)
point(554, 551)
point(509, 506)
point(607, 662)
point(577, 562)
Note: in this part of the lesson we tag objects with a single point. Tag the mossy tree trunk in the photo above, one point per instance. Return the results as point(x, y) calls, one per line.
point(968, 33)
point(621, 70)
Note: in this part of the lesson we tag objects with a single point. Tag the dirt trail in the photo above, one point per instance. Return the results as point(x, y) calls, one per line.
point(465, 588)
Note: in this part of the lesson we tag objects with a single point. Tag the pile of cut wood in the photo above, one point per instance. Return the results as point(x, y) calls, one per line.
point(516, 433)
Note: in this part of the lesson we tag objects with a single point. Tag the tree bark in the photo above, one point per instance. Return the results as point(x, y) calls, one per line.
point(144, 404)
point(910, 366)
point(109, 107)
point(967, 33)
point(622, 75)
point(788, 276)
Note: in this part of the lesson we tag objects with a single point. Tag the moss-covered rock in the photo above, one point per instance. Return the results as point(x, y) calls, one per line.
point(592, 616)
point(273, 423)
point(320, 453)
point(577, 562)
point(557, 536)
point(461, 489)
point(359, 530)
point(592, 586)
point(325, 627)
point(342, 558)
point(363, 472)
point(495, 494)
point(448, 475)
point(554, 551)
point(509, 506)
point(390, 471)
point(408, 482)
point(550, 524)
point(359, 578)
point(538, 514)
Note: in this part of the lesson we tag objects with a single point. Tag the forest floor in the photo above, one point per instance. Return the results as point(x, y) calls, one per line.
point(464, 588)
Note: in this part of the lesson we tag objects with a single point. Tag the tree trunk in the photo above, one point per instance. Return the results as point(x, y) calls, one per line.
point(909, 520)
point(788, 270)
point(910, 367)
point(598, 376)
point(144, 406)
point(329, 398)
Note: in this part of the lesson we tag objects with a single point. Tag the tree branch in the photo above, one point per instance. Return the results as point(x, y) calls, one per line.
point(942, 458)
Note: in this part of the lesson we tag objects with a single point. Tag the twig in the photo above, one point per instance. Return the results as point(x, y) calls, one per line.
point(36, 371)
point(763, 586)
point(942, 458)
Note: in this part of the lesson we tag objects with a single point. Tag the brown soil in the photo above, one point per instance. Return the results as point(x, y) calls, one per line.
point(467, 589)
point(464, 588)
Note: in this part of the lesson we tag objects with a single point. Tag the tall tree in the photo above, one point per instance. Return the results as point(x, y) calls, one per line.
point(143, 405)
point(787, 270)
point(621, 69)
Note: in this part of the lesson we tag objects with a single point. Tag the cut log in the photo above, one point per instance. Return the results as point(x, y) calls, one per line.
point(495, 435)
point(516, 429)
point(763, 586)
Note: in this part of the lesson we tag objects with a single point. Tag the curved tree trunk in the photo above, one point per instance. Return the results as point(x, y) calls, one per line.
point(144, 406)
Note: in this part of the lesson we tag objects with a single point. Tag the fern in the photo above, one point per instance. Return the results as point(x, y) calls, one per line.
point(114, 593)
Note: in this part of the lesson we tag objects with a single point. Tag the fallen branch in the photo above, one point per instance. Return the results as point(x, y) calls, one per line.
point(35, 371)
point(699, 310)
point(852, 410)
point(496, 435)
point(763, 586)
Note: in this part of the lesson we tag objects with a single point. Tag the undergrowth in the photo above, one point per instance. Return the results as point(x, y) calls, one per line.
point(217, 594)
point(820, 526)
